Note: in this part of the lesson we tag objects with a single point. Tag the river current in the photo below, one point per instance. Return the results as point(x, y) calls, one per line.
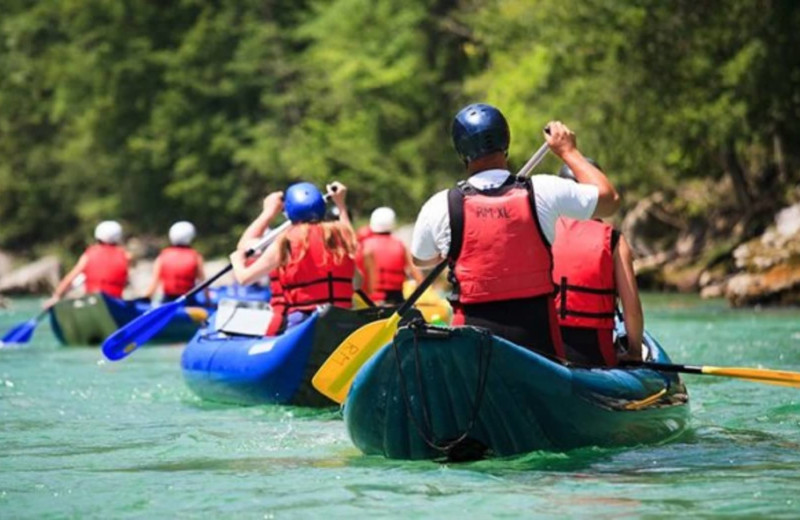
point(84, 438)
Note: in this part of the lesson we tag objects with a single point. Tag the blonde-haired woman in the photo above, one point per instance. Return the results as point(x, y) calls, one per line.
point(313, 258)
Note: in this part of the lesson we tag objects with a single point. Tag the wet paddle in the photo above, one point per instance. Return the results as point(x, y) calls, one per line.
point(334, 377)
point(758, 375)
point(136, 333)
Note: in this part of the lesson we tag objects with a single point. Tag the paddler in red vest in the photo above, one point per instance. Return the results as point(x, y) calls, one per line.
point(178, 267)
point(496, 229)
point(592, 264)
point(387, 262)
point(104, 264)
point(362, 233)
point(313, 258)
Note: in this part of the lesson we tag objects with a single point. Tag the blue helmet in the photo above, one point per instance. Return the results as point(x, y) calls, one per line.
point(479, 130)
point(303, 202)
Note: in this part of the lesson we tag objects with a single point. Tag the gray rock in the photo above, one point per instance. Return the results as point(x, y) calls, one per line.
point(769, 265)
point(39, 277)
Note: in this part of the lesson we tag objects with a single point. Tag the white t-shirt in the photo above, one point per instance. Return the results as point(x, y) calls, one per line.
point(555, 197)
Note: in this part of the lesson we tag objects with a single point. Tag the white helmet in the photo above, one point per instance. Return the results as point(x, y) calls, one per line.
point(181, 233)
point(109, 232)
point(382, 220)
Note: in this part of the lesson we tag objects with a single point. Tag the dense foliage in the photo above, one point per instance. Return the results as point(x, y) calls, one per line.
point(153, 111)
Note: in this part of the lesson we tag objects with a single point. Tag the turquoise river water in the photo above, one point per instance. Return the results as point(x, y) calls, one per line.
point(85, 438)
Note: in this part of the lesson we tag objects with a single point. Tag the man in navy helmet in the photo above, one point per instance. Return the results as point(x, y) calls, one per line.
point(496, 229)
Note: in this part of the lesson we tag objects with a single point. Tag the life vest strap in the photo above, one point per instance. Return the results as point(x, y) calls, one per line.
point(319, 301)
point(316, 281)
point(590, 290)
point(583, 314)
point(563, 288)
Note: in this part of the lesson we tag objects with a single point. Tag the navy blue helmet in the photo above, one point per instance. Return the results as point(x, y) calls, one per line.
point(478, 130)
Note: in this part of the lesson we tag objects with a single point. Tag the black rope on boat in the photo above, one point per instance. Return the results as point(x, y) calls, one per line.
point(426, 430)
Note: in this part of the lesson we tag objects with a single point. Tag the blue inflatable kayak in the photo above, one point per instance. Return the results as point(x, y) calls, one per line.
point(241, 369)
point(462, 394)
point(88, 320)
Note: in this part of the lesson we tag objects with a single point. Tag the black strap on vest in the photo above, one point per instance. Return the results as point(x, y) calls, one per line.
point(455, 207)
point(564, 289)
point(329, 279)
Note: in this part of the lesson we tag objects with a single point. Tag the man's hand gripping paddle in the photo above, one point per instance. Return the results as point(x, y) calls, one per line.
point(335, 376)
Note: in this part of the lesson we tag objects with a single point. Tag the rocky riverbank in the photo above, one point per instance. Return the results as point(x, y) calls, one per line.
point(691, 241)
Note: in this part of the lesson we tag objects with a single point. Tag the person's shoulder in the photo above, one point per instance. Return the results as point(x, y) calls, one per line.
point(436, 203)
point(437, 196)
point(550, 182)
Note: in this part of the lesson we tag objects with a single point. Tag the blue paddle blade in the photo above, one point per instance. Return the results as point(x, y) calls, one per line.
point(139, 331)
point(22, 333)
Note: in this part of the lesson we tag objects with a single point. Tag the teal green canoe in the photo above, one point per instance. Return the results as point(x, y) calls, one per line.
point(462, 394)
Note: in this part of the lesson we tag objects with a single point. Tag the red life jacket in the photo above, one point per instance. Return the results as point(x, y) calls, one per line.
point(390, 258)
point(315, 278)
point(584, 274)
point(106, 270)
point(498, 252)
point(277, 301)
point(179, 269)
point(363, 233)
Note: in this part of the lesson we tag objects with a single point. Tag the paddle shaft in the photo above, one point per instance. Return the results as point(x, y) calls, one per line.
point(664, 367)
point(535, 159)
point(406, 306)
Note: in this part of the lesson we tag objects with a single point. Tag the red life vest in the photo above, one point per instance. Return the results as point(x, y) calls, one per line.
point(498, 252)
point(106, 269)
point(363, 233)
point(277, 301)
point(315, 278)
point(179, 269)
point(584, 274)
point(390, 259)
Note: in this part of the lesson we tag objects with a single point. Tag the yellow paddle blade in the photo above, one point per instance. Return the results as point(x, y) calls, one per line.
point(760, 375)
point(197, 314)
point(334, 377)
